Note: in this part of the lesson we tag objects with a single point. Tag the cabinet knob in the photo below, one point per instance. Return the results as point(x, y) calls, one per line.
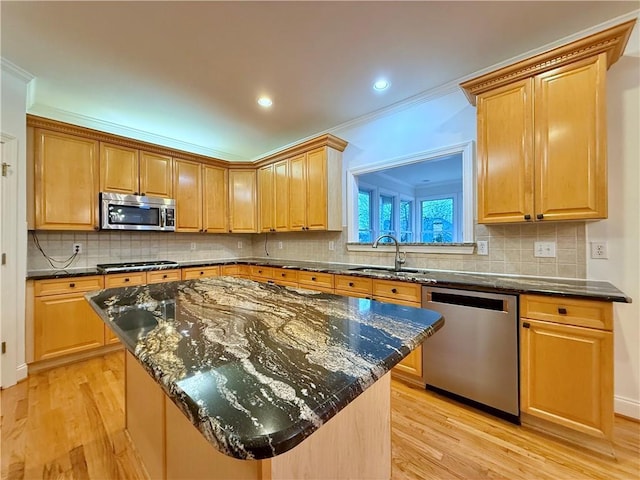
point(526, 325)
point(259, 271)
point(302, 228)
point(540, 216)
point(72, 285)
point(394, 290)
point(230, 230)
point(527, 217)
point(313, 278)
point(126, 279)
point(351, 284)
point(562, 310)
point(97, 229)
point(206, 230)
point(201, 273)
point(136, 193)
point(164, 276)
point(142, 194)
point(283, 274)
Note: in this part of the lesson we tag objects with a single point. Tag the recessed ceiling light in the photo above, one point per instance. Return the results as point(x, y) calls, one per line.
point(381, 85)
point(265, 102)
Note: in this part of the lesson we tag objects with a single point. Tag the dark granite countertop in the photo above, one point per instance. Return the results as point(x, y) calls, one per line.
point(258, 367)
point(588, 289)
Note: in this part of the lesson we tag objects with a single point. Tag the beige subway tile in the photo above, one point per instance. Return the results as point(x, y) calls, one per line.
point(497, 267)
point(567, 230)
point(512, 268)
point(547, 270)
point(483, 267)
point(581, 271)
point(546, 230)
point(512, 230)
point(496, 254)
point(528, 268)
point(567, 242)
point(568, 271)
point(566, 256)
point(512, 256)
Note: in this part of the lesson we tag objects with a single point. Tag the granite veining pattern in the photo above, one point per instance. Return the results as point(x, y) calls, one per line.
point(256, 367)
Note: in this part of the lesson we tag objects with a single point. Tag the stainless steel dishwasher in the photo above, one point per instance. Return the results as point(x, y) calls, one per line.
point(475, 353)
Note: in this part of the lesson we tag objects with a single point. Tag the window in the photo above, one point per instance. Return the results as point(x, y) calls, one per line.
point(364, 216)
point(406, 221)
point(437, 220)
point(386, 216)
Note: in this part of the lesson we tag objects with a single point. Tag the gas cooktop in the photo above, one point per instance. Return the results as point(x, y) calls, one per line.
point(135, 266)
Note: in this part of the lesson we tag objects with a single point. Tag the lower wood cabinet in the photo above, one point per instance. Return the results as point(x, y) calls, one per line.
point(566, 363)
point(200, 272)
point(323, 282)
point(241, 271)
point(116, 280)
point(285, 276)
point(352, 286)
point(64, 322)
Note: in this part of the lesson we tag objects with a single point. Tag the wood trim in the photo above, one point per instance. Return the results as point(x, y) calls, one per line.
point(327, 140)
point(55, 362)
point(61, 127)
point(611, 41)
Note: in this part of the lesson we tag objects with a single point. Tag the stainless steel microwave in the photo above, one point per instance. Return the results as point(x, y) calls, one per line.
point(133, 212)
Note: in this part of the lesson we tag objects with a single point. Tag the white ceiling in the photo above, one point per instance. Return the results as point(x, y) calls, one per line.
point(192, 71)
point(437, 171)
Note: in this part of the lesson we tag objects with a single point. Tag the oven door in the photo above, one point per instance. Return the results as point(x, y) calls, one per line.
point(130, 212)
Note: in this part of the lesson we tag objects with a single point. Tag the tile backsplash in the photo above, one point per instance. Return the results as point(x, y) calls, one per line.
point(511, 249)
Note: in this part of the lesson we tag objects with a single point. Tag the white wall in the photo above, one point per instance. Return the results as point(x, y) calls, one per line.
point(13, 111)
point(622, 229)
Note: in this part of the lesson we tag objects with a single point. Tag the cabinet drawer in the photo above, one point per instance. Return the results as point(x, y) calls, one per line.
point(260, 273)
point(285, 276)
point(349, 284)
point(125, 279)
point(67, 285)
point(200, 272)
point(161, 276)
point(391, 290)
point(569, 311)
point(316, 281)
point(234, 270)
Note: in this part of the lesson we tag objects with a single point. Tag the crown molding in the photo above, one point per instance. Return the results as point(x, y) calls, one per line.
point(611, 42)
point(93, 123)
point(326, 140)
point(15, 70)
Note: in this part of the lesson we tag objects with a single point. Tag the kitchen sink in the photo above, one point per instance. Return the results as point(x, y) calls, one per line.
point(388, 270)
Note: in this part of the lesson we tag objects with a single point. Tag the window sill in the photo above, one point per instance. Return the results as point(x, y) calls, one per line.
point(447, 248)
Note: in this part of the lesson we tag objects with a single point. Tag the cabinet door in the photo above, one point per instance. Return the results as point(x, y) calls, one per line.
point(505, 154)
point(156, 175)
point(118, 169)
point(566, 375)
point(215, 199)
point(65, 324)
point(571, 148)
point(67, 180)
point(266, 198)
point(242, 201)
point(297, 193)
point(317, 189)
point(188, 192)
point(281, 195)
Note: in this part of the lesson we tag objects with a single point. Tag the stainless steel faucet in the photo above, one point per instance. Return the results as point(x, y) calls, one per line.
point(401, 258)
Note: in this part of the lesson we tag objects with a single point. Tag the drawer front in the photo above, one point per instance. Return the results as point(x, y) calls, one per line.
point(316, 281)
point(401, 291)
point(67, 285)
point(233, 270)
point(569, 311)
point(161, 276)
point(285, 276)
point(348, 283)
point(261, 273)
point(125, 279)
point(200, 272)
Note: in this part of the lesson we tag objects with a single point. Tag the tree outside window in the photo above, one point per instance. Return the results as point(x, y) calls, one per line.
point(437, 220)
point(406, 221)
point(386, 216)
point(364, 216)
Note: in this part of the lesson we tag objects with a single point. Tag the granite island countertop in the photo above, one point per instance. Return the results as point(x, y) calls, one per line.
point(257, 367)
point(488, 282)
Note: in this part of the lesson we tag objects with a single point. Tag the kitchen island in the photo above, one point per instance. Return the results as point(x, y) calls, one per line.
point(259, 370)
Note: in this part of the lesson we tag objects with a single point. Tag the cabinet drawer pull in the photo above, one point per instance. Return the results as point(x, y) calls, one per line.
point(313, 278)
point(164, 276)
point(126, 279)
point(351, 284)
point(201, 273)
point(527, 217)
point(72, 285)
point(259, 271)
point(540, 216)
point(526, 325)
point(142, 194)
point(283, 274)
point(394, 290)
point(562, 310)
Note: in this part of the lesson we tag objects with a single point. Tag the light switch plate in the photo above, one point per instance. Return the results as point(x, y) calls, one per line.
point(544, 249)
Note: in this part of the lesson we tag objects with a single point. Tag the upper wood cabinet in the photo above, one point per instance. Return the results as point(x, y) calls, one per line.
point(215, 200)
point(542, 133)
point(273, 200)
point(243, 215)
point(66, 181)
point(315, 190)
point(133, 172)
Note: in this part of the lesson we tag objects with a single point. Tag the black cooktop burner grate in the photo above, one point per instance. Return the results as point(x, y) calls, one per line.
point(135, 266)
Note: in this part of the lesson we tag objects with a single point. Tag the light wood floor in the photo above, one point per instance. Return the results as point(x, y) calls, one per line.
point(69, 423)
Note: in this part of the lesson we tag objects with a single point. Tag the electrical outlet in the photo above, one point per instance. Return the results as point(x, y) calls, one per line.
point(193, 245)
point(544, 249)
point(77, 248)
point(332, 245)
point(599, 250)
point(279, 245)
point(239, 243)
point(482, 247)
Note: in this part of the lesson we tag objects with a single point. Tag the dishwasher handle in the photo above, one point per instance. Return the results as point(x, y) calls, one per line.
point(486, 303)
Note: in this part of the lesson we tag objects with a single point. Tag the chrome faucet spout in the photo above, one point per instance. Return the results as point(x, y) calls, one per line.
point(400, 258)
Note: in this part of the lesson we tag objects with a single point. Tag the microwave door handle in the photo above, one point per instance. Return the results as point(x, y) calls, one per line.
point(163, 218)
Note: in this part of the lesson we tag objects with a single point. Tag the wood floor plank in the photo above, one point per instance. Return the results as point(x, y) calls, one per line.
point(68, 422)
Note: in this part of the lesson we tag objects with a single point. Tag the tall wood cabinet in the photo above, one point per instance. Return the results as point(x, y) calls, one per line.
point(131, 171)
point(273, 199)
point(542, 133)
point(243, 204)
point(566, 364)
point(66, 181)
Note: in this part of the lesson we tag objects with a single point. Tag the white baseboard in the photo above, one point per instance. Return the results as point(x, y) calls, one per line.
point(628, 407)
point(21, 372)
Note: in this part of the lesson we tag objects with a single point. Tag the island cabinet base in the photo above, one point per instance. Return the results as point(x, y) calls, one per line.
point(356, 443)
